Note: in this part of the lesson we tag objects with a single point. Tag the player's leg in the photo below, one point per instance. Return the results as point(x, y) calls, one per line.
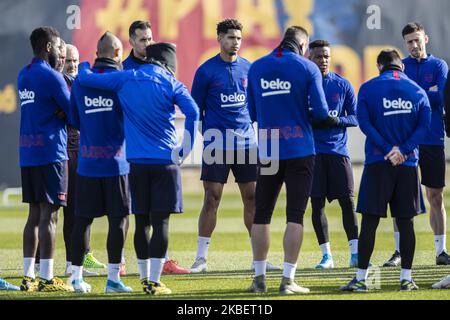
point(80, 242)
point(268, 188)
point(320, 224)
point(115, 243)
point(438, 222)
point(30, 246)
point(407, 249)
point(433, 166)
point(298, 179)
point(117, 206)
point(141, 246)
point(207, 223)
point(396, 259)
point(350, 222)
point(159, 243)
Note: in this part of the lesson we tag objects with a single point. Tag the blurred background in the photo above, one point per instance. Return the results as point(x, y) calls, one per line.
point(357, 30)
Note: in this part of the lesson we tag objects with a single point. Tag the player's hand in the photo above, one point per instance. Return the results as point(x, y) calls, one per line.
point(434, 89)
point(395, 156)
point(59, 113)
point(84, 66)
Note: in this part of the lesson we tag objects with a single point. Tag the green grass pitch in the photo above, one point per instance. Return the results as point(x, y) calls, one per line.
point(230, 257)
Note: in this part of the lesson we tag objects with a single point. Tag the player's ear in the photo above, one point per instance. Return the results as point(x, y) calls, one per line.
point(48, 47)
point(379, 67)
point(427, 39)
point(403, 67)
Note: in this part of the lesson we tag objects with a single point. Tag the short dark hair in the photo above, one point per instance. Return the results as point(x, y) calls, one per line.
point(143, 25)
point(411, 28)
point(319, 44)
point(228, 24)
point(389, 57)
point(41, 36)
point(295, 31)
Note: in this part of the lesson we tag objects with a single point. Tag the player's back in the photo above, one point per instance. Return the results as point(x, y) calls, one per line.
point(43, 136)
point(280, 85)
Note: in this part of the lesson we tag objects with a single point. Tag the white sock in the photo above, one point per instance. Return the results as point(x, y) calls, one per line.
point(325, 248)
point(167, 258)
point(406, 275)
point(362, 274)
point(353, 244)
point(46, 271)
point(144, 269)
point(397, 241)
point(69, 267)
point(440, 243)
point(289, 270)
point(122, 258)
point(156, 268)
point(28, 267)
point(114, 272)
point(260, 267)
point(77, 272)
point(202, 247)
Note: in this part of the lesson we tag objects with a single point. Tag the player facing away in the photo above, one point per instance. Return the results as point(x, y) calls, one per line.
point(220, 90)
point(141, 36)
point(283, 87)
point(102, 180)
point(394, 113)
point(70, 72)
point(430, 73)
point(148, 97)
point(43, 156)
point(333, 173)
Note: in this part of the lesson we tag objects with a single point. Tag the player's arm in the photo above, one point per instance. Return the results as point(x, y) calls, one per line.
point(447, 105)
point(350, 119)
point(318, 103)
point(189, 108)
point(367, 128)
point(436, 94)
point(421, 129)
point(73, 114)
point(60, 93)
point(107, 81)
point(251, 100)
point(200, 91)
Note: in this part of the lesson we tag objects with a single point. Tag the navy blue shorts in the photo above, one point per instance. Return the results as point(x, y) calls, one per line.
point(155, 189)
point(96, 197)
point(240, 162)
point(432, 166)
point(45, 184)
point(383, 184)
point(333, 177)
point(297, 174)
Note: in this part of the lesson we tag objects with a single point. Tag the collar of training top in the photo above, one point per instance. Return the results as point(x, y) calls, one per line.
point(135, 59)
point(107, 63)
point(391, 67)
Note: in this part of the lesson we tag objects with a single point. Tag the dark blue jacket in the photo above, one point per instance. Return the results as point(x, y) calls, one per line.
point(283, 88)
point(43, 136)
point(393, 111)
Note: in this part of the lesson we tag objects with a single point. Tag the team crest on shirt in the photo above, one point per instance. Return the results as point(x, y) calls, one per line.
point(428, 77)
point(335, 97)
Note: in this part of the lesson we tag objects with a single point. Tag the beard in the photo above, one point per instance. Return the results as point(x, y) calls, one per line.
point(53, 60)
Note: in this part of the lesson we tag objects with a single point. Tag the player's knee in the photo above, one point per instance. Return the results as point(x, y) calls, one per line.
point(435, 197)
point(296, 217)
point(212, 201)
point(262, 218)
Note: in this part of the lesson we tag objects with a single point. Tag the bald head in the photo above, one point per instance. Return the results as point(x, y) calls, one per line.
point(109, 46)
point(72, 60)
